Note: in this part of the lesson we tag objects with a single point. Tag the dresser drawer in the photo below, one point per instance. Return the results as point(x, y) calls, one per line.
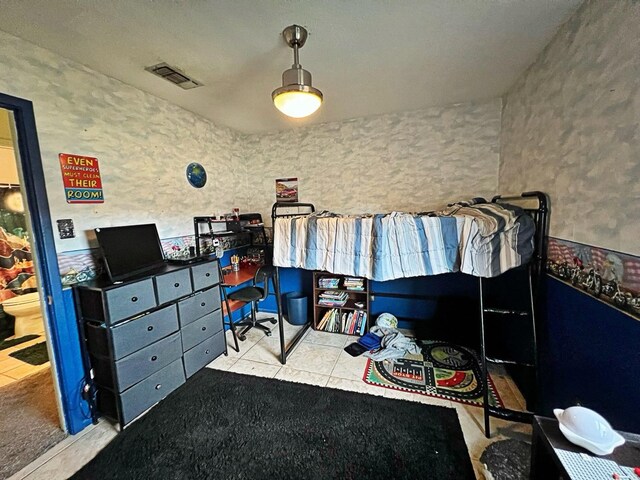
point(203, 353)
point(205, 275)
point(139, 332)
point(150, 359)
point(192, 308)
point(151, 390)
point(131, 335)
point(170, 286)
point(129, 300)
point(202, 328)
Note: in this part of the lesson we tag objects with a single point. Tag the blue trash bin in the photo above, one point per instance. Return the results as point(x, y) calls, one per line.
point(296, 308)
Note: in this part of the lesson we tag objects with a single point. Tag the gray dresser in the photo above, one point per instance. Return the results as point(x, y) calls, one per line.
point(145, 336)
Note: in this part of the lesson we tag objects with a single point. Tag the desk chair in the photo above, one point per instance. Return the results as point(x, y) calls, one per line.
point(253, 295)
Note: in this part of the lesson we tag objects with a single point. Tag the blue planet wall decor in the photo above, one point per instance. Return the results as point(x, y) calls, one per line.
point(196, 175)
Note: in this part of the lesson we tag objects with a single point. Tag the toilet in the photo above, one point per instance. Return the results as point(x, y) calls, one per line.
point(27, 312)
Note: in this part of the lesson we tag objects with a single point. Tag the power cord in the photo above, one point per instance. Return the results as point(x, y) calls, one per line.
point(88, 392)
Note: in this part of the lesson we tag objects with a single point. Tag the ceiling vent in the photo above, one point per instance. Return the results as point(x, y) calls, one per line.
point(173, 75)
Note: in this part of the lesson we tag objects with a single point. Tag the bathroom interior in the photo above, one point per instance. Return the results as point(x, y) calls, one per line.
point(27, 396)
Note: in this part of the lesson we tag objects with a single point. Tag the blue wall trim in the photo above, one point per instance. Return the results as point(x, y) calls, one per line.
point(590, 355)
point(74, 373)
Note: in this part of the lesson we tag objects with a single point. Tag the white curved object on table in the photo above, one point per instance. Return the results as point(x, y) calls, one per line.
point(588, 429)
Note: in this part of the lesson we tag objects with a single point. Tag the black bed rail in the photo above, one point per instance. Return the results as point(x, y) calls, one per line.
point(540, 215)
point(276, 206)
point(284, 350)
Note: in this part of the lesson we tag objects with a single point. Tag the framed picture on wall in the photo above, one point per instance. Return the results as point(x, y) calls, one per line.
point(286, 190)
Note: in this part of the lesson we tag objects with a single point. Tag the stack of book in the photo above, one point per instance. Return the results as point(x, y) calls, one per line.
point(352, 323)
point(354, 283)
point(333, 299)
point(328, 282)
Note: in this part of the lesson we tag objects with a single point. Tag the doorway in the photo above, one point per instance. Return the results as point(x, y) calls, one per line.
point(31, 419)
point(22, 332)
point(67, 361)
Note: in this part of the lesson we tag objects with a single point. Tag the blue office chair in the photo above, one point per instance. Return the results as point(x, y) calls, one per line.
point(253, 295)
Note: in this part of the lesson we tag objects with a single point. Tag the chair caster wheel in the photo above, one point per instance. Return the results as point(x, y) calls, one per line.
point(242, 338)
point(268, 334)
point(274, 321)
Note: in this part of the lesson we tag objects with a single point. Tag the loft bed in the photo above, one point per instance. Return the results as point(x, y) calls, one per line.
point(483, 239)
point(479, 238)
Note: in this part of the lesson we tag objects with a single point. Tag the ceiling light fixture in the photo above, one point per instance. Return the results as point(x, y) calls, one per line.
point(296, 98)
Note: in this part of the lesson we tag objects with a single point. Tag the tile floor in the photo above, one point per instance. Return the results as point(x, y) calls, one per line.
point(318, 360)
point(12, 369)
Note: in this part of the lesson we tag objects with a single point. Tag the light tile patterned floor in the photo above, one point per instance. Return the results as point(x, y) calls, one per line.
point(318, 360)
point(12, 369)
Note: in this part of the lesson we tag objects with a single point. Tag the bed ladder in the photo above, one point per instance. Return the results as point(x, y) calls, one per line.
point(525, 317)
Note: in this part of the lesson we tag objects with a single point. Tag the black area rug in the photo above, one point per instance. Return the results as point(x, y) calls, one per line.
point(16, 341)
point(33, 355)
point(508, 459)
point(225, 425)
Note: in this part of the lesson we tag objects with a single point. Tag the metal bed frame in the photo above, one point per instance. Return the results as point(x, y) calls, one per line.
point(310, 208)
point(536, 205)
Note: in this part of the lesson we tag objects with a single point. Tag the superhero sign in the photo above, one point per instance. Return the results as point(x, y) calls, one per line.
point(81, 178)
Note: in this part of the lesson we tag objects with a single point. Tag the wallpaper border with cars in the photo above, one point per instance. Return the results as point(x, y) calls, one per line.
point(82, 265)
point(613, 277)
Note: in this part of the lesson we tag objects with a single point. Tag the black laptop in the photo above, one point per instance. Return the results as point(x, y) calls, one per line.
point(190, 259)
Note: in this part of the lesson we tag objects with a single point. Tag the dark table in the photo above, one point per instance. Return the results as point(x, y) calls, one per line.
point(233, 279)
point(545, 464)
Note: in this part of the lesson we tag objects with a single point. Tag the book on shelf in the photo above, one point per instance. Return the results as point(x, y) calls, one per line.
point(325, 320)
point(352, 323)
point(353, 283)
point(334, 294)
point(330, 321)
point(363, 325)
point(333, 299)
point(328, 282)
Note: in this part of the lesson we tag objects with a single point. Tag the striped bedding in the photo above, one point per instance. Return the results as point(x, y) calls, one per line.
point(483, 240)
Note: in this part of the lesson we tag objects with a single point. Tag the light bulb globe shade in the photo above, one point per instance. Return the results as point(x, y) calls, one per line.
point(297, 101)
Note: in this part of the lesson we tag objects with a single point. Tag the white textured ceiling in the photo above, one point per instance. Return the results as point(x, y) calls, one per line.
point(367, 56)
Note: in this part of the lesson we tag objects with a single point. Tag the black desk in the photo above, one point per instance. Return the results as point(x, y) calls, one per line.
point(545, 464)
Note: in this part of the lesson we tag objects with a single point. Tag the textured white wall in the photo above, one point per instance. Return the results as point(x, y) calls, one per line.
point(143, 145)
point(408, 161)
point(571, 127)
point(412, 161)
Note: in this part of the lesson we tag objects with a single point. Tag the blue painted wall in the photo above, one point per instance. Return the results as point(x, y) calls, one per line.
point(449, 313)
point(291, 280)
point(590, 354)
point(448, 303)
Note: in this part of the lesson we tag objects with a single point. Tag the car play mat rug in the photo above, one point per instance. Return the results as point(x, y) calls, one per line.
point(443, 370)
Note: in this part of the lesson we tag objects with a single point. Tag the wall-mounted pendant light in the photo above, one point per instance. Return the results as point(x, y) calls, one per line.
point(296, 98)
